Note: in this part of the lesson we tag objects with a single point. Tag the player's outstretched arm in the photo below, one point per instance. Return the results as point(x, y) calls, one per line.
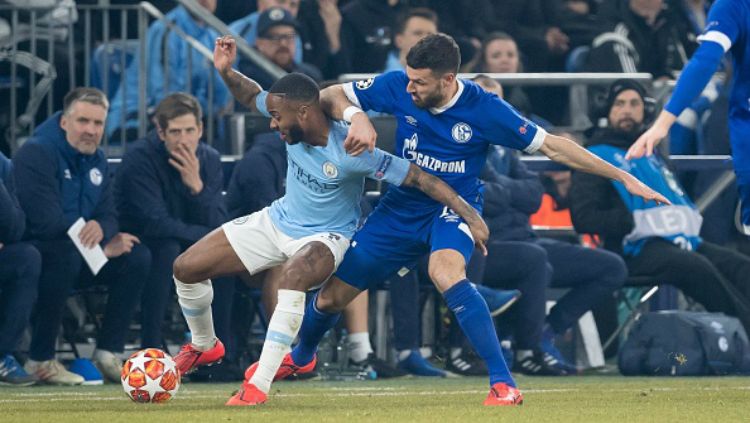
point(242, 88)
point(442, 192)
point(362, 135)
point(567, 152)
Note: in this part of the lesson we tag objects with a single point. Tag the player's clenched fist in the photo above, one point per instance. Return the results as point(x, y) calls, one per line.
point(225, 53)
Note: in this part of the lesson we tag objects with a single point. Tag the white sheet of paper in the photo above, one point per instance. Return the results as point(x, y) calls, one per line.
point(94, 257)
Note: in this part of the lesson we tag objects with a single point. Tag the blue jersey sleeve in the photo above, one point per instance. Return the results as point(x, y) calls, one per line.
point(260, 103)
point(379, 165)
point(508, 128)
point(724, 23)
point(379, 93)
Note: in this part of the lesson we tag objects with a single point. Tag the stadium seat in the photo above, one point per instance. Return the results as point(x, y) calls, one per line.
point(109, 63)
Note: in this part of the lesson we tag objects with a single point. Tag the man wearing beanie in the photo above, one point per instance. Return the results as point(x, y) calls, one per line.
point(660, 242)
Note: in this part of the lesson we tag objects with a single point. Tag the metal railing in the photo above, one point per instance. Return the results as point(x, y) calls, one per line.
point(50, 53)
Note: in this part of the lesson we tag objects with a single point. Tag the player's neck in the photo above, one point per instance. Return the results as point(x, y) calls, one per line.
point(318, 135)
point(450, 93)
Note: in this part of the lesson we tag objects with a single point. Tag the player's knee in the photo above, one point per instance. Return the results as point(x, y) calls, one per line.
point(446, 276)
point(328, 303)
point(182, 269)
point(293, 277)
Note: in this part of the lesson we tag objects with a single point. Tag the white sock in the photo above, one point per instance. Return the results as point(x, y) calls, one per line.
point(403, 354)
point(455, 352)
point(195, 300)
point(359, 346)
point(282, 329)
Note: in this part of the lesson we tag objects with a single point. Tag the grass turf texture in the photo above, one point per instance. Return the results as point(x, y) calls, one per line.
point(576, 399)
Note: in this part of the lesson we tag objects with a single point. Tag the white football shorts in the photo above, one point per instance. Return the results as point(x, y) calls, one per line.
point(260, 245)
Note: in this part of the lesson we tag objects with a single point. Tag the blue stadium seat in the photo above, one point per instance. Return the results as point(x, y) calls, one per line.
point(109, 62)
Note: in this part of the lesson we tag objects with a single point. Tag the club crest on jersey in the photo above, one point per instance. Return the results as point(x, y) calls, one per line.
point(96, 176)
point(330, 170)
point(461, 132)
point(365, 83)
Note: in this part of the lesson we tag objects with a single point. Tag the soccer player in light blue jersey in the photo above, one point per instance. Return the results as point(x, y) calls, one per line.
point(727, 30)
point(307, 231)
point(445, 126)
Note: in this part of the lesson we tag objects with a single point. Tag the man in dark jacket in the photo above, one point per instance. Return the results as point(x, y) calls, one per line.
point(169, 193)
point(63, 177)
point(661, 243)
point(20, 265)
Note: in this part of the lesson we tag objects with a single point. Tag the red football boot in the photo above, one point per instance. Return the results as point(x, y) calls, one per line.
point(188, 359)
point(247, 395)
point(502, 394)
point(286, 369)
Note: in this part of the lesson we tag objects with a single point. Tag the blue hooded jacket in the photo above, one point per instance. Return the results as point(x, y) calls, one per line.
point(57, 184)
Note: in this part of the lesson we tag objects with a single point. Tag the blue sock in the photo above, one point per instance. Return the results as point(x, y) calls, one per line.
point(315, 324)
point(474, 318)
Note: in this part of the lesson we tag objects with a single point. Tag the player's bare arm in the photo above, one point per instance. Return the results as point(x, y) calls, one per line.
point(442, 192)
point(242, 88)
point(362, 135)
point(567, 152)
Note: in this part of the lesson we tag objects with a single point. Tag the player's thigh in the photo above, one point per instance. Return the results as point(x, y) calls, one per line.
point(376, 253)
point(248, 243)
point(210, 257)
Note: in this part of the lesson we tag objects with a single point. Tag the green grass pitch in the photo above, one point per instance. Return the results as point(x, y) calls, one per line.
point(574, 399)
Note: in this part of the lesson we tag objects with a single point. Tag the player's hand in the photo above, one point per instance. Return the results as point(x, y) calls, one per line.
point(646, 143)
point(636, 187)
point(91, 234)
point(225, 53)
point(120, 244)
point(480, 232)
point(187, 163)
point(361, 136)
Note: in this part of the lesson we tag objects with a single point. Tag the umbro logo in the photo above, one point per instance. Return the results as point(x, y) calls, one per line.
point(411, 120)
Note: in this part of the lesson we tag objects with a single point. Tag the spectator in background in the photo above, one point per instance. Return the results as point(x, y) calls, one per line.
point(247, 27)
point(367, 32)
point(320, 28)
point(277, 30)
point(20, 265)
point(500, 55)
point(63, 177)
point(169, 193)
point(658, 242)
point(644, 36)
point(412, 27)
point(172, 65)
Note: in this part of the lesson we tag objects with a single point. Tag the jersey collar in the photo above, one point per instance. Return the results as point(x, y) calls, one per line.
point(448, 105)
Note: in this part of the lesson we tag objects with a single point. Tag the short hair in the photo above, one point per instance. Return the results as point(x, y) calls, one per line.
point(484, 79)
point(86, 95)
point(437, 52)
point(176, 105)
point(417, 12)
point(297, 87)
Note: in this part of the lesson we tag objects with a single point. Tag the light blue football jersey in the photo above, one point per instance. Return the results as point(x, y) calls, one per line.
point(324, 185)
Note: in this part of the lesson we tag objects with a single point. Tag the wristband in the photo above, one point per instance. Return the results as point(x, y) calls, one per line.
point(350, 111)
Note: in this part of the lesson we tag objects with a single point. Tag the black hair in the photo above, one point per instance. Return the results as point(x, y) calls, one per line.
point(437, 52)
point(297, 87)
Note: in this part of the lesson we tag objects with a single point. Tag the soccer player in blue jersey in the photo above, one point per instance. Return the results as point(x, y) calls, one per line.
point(307, 231)
point(728, 29)
point(445, 126)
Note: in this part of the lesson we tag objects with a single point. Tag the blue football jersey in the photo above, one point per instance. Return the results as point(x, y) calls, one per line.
point(450, 142)
point(324, 184)
point(728, 24)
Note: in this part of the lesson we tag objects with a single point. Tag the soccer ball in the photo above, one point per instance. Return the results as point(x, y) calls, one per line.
point(150, 375)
